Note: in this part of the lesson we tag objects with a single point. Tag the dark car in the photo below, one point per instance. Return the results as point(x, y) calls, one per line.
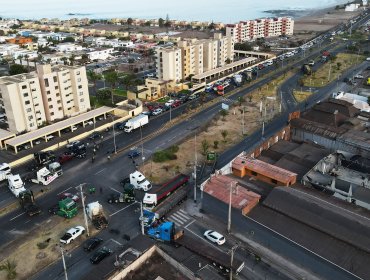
point(65, 157)
point(53, 209)
point(92, 243)
point(100, 255)
point(183, 98)
point(95, 135)
point(133, 154)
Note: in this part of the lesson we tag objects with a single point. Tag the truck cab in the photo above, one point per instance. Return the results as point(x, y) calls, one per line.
point(16, 184)
point(27, 201)
point(138, 180)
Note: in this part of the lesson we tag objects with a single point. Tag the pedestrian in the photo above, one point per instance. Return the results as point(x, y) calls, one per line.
point(101, 190)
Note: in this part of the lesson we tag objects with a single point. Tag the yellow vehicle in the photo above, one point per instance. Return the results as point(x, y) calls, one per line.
point(368, 81)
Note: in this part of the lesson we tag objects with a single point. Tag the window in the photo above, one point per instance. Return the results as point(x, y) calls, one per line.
point(80, 86)
point(56, 87)
point(39, 119)
point(32, 82)
point(81, 100)
point(50, 106)
point(24, 87)
point(79, 80)
point(25, 94)
point(78, 73)
point(48, 92)
point(27, 102)
point(52, 114)
point(55, 79)
point(36, 104)
point(81, 93)
point(28, 110)
point(59, 101)
point(31, 124)
point(46, 81)
point(49, 99)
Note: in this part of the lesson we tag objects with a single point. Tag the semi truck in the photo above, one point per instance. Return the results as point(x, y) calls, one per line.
point(16, 185)
point(42, 159)
point(5, 171)
point(138, 180)
point(171, 194)
point(66, 208)
point(128, 195)
point(221, 260)
point(46, 175)
point(27, 201)
point(94, 211)
point(136, 122)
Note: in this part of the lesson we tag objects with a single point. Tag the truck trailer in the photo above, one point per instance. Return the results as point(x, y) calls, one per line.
point(94, 211)
point(136, 122)
point(5, 171)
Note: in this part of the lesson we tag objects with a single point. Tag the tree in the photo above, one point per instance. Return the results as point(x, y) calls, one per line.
point(15, 69)
point(69, 40)
point(161, 22)
point(339, 65)
point(129, 22)
point(224, 134)
point(94, 77)
point(148, 23)
point(10, 268)
point(85, 57)
point(64, 59)
point(228, 61)
point(127, 80)
point(211, 26)
point(72, 59)
point(205, 147)
point(27, 58)
point(103, 94)
point(20, 57)
point(215, 144)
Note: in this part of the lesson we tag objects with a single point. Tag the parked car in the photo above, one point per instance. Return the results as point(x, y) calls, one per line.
point(175, 104)
point(100, 255)
point(358, 76)
point(157, 112)
point(65, 195)
point(95, 135)
point(169, 102)
point(311, 63)
point(71, 144)
point(50, 137)
point(133, 154)
point(63, 158)
point(91, 243)
point(72, 234)
point(215, 237)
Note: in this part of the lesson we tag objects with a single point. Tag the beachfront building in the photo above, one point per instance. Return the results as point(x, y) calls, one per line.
point(192, 57)
point(48, 95)
point(251, 30)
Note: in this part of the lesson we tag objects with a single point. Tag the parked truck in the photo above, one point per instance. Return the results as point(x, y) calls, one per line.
point(5, 171)
point(221, 260)
point(42, 159)
point(94, 211)
point(16, 185)
point(138, 180)
point(136, 122)
point(72, 234)
point(46, 175)
point(128, 195)
point(66, 208)
point(27, 201)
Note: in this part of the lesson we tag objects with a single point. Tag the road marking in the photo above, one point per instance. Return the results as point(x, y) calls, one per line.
point(16, 217)
point(202, 238)
point(113, 189)
point(115, 241)
point(186, 217)
point(65, 190)
point(13, 229)
point(189, 224)
point(27, 221)
point(177, 217)
point(100, 171)
point(123, 208)
point(182, 211)
point(177, 222)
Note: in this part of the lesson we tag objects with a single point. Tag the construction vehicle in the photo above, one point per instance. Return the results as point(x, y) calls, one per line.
point(157, 205)
point(27, 201)
point(127, 196)
point(136, 122)
point(94, 211)
point(5, 171)
point(66, 208)
point(46, 175)
point(16, 185)
point(165, 232)
point(138, 180)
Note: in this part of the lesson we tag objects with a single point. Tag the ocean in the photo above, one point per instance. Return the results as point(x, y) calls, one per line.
point(227, 11)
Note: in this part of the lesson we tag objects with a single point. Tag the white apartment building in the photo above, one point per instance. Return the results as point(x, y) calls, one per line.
point(100, 54)
point(260, 28)
point(21, 99)
point(48, 95)
point(9, 49)
point(193, 57)
point(68, 47)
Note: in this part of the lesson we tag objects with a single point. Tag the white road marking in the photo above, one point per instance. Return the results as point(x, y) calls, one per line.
point(16, 217)
point(100, 171)
point(65, 190)
point(13, 229)
point(182, 211)
point(115, 241)
point(113, 189)
point(122, 209)
point(178, 217)
point(201, 237)
point(27, 221)
point(186, 217)
point(189, 224)
point(177, 222)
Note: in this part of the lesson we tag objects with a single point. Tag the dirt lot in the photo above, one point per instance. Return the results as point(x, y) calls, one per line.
point(232, 123)
point(332, 70)
point(301, 95)
point(40, 246)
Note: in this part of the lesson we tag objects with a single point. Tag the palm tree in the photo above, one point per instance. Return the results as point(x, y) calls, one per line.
point(127, 80)
point(10, 268)
point(94, 77)
point(112, 78)
point(26, 57)
point(20, 59)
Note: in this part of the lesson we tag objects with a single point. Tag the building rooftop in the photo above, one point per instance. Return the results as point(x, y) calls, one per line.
point(318, 128)
point(242, 198)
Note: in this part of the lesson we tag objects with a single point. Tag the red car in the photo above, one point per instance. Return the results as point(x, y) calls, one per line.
point(64, 158)
point(65, 195)
point(260, 66)
point(175, 104)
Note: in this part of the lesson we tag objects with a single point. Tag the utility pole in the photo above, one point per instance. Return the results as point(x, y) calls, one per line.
point(84, 210)
point(114, 137)
point(142, 145)
point(195, 168)
point(263, 128)
point(232, 260)
point(64, 263)
point(229, 216)
point(142, 218)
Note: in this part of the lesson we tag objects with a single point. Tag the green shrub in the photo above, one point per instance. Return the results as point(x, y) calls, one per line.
point(165, 155)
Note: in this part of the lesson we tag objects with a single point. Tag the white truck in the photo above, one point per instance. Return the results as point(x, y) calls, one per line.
point(72, 234)
point(138, 180)
point(45, 176)
point(16, 185)
point(136, 122)
point(238, 79)
point(94, 211)
point(5, 171)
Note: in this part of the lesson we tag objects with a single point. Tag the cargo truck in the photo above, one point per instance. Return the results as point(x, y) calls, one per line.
point(27, 201)
point(138, 180)
point(5, 171)
point(221, 260)
point(16, 185)
point(94, 211)
point(136, 122)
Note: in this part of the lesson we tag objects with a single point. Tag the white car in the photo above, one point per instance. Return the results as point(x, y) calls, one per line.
point(50, 137)
point(368, 59)
point(358, 76)
point(157, 112)
point(215, 237)
point(72, 234)
point(169, 102)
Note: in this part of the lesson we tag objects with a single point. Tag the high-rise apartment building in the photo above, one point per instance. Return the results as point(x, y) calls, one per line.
point(260, 28)
point(193, 57)
point(50, 94)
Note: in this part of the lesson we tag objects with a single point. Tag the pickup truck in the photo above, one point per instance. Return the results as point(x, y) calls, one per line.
point(72, 234)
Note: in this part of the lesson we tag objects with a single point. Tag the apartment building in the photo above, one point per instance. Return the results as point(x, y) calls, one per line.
point(193, 57)
point(22, 103)
point(260, 28)
point(48, 95)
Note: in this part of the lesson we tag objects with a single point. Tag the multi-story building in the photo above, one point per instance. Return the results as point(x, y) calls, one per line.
point(48, 95)
point(193, 57)
point(260, 28)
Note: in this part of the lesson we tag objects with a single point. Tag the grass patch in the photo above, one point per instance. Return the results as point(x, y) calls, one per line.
point(163, 99)
point(166, 155)
point(301, 95)
point(96, 103)
point(321, 77)
point(120, 92)
point(42, 245)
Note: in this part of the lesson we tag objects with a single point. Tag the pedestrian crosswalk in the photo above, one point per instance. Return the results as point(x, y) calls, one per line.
point(180, 217)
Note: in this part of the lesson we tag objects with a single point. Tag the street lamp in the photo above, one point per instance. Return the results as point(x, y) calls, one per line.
point(233, 249)
point(232, 184)
point(114, 137)
point(64, 263)
point(195, 168)
point(83, 208)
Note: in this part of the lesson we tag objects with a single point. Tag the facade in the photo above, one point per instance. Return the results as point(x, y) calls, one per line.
point(19, 40)
point(103, 53)
point(48, 95)
point(193, 57)
point(260, 28)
